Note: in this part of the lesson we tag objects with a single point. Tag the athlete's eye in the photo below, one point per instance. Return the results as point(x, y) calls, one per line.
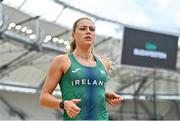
point(83, 29)
point(92, 29)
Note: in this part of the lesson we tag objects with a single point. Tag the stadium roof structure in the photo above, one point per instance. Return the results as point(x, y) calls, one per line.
point(28, 42)
point(28, 45)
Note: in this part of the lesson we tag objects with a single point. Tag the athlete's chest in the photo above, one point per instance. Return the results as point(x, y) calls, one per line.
point(88, 76)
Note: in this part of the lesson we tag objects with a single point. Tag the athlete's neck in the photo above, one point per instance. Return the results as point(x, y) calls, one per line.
point(86, 55)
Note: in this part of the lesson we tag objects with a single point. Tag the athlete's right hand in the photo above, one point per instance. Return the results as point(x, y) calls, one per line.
point(70, 107)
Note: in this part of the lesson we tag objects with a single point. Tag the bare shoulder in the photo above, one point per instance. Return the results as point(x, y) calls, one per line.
point(106, 62)
point(61, 62)
point(60, 58)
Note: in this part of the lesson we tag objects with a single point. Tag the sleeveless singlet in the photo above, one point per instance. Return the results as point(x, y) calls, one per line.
point(88, 84)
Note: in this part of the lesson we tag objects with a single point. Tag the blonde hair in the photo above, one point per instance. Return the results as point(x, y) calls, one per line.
point(73, 43)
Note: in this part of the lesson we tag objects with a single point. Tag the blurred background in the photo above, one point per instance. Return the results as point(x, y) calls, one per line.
point(141, 38)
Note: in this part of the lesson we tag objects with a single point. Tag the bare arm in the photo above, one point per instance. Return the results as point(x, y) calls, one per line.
point(52, 79)
point(58, 66)
point(111, 97)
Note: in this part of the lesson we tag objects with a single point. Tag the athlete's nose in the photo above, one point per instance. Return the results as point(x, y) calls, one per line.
point(88, 31)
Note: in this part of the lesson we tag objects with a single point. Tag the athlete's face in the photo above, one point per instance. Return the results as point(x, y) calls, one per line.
point(84, 34)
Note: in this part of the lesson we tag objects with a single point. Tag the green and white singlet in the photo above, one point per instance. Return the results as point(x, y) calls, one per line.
point(88, 84)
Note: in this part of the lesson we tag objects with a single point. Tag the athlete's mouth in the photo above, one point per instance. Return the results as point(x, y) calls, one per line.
point(88, 37)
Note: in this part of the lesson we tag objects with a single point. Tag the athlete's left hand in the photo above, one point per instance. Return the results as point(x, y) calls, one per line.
point(113, 98)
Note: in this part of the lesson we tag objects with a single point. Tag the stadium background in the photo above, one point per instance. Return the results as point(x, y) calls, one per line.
point(29, 42)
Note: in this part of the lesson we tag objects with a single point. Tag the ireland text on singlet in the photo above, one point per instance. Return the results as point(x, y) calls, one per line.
point(88, 84)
